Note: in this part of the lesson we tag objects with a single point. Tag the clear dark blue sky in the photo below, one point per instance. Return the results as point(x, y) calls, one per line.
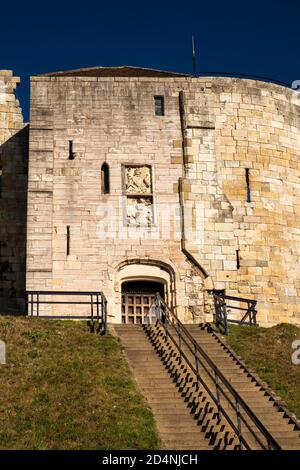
point(259, 37)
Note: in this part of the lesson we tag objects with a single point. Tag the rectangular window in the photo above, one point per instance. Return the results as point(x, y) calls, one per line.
point(0, 181)
point(159, 105)
point(139, 195)
point(238, 265)
point(68, 240)
point(247, 177)
point(71, 153)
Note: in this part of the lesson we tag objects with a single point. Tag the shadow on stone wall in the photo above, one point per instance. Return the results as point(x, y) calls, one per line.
point(13, 222)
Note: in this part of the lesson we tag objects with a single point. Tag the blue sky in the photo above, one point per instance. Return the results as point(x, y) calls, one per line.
point(256, 38)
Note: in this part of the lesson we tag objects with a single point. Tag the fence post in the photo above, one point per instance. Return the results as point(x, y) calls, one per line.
point(105, 317)
point(38, 304)
point(225, 321)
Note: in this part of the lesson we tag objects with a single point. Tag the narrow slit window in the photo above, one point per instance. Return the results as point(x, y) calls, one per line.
point(159, 105)
point(0, 181)
point(238, 259)
point(247, 177)
point(68, 240)
point(105, 186)
point(71, 152)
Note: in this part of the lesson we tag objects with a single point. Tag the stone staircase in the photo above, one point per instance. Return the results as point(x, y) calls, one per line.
point(278, 421)
point(176, 426)
point(186, 416)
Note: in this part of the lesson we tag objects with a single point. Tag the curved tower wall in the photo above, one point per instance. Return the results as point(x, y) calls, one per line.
point(212, 131)
point(251, 249)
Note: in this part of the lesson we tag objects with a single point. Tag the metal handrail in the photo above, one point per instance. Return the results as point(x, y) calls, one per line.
point(96, 298)
point(222, 309)
point(165, 317)
point(243, 75)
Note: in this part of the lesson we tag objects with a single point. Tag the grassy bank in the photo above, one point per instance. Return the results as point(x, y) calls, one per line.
point(65, 388)
point(268, 351)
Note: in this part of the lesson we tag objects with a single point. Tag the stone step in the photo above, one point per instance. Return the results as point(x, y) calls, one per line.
point(183, 428)
point(164, 394)
point(172, 408)
point(190, 435)
point(291, 435)
point(289, 445)
point(185, 444)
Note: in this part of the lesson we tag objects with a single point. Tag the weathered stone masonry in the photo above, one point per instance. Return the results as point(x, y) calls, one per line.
point(13, 190)
point(191, 162)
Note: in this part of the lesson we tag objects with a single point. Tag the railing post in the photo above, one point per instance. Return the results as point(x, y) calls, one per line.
point(270, 447)
point(180, 343)
point(249, 308)
point(38, 304)
point(225, 316)
point(105, 319)
point(197, 365)
point(217, 308)
point(239, 423)
point(217, 393)
point(97, 307)
point(164, 319)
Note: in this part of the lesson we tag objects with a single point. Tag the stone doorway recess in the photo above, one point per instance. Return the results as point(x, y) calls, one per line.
point(137, 298)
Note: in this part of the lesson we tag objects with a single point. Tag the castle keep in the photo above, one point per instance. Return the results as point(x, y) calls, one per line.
point(141, 181)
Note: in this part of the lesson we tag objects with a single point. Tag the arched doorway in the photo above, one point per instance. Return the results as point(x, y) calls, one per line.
point(137, 298)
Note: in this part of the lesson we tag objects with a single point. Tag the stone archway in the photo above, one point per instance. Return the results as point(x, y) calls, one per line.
point(144, 277)
point(137, 298)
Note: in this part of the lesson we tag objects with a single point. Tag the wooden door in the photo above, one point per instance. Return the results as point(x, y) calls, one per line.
point(136, 306)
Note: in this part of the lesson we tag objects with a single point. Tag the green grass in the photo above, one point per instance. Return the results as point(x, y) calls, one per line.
point(268, 351)
point(65, 388)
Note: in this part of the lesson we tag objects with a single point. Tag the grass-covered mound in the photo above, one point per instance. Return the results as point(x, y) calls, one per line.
point(65, 388)
point(269, 351)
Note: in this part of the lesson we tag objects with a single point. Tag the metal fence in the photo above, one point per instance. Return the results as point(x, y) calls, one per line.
point(248, 428)
point(238, 310)
point(96, 300)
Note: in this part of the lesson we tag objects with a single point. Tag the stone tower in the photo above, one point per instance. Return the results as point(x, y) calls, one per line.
point(143, 180)
point(13, 192)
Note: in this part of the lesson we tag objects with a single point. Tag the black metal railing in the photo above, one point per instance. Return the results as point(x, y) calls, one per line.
point(229, 309)
point(96, 300)
point(250, 431)
point(248, 76)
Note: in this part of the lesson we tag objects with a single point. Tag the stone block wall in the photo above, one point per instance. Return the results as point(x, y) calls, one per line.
point(13, 192)
point(113, 121)
point(198, 154)
point(250, 248)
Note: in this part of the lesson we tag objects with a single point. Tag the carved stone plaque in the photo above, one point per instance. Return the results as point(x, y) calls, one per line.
point(138, 180)
point(139, 211)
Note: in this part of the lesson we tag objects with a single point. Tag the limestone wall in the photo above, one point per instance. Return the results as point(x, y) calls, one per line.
point(197, 154)
point(231, 125)
point(112, 121)
point(13, 188)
